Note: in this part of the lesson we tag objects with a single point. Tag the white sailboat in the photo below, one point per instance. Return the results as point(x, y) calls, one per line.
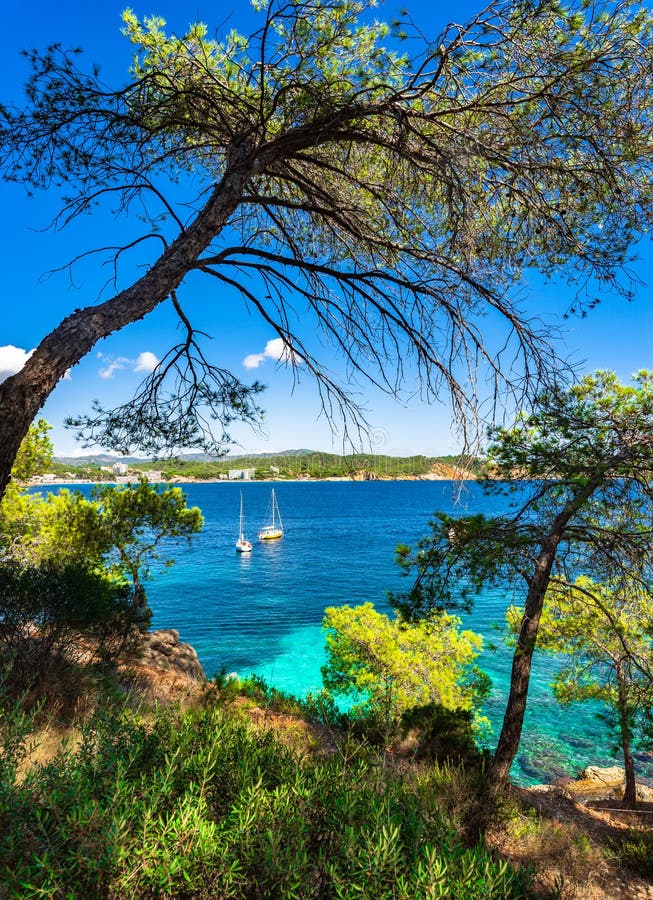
point(274, 530)
point(242, 544)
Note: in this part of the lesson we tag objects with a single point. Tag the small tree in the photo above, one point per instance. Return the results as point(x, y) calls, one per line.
point(58, 526)
point(117, 527)
point(133, 522)
point(390, 666)
point(35, 453)
point(65, 567)
point(607, 634)
point(579, 471)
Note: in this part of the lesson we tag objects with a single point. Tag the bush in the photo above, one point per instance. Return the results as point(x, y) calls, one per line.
point(634, 850)
point(443, 735)
point(55, 618)
point(200, 805)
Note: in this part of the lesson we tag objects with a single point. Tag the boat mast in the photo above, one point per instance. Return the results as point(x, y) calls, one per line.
point(278, 513)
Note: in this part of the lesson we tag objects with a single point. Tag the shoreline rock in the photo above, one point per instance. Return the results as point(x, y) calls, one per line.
point(162, 668)
point(596, 783)
point(162, 649)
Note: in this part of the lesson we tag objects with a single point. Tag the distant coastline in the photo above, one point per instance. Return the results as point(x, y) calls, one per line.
point(289, 466)
point(68, 482)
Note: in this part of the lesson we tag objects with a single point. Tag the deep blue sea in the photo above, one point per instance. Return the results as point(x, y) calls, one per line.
point(262, 613)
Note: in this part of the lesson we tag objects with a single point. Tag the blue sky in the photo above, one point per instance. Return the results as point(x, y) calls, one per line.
point(616, 335)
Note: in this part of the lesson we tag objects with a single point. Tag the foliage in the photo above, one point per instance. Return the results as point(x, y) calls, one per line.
point(388, 201)
point(314, 464)
point(16, 727)
point(443, 735)
point(118, 527)
point(600, 628)
point(591, 445)
point(81, 471)
point(634, 849)
point(605, 632)
point(58, 526)
point(56, 616)
point(35, 453)
point(33, 457)
point(587, 505)
point(67, 562)
point(199, 805)
point(133, 522)
point(389, 666)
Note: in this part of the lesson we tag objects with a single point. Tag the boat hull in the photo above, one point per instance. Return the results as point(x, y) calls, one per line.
point(274, 529)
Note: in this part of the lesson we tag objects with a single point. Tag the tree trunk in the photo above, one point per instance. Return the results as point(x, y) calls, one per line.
point(139, 600)
point(513, 719)
point(22, 395)
point(138, 594)
point(521, 668)
point(630, 790)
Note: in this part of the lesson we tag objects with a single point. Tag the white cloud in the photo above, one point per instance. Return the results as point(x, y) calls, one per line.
point(276, 349)
point(254, 360)
point(112, 366)
point(12, 360)
point(146, 362)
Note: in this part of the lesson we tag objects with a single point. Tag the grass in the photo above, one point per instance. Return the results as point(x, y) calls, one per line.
point(248, 792)
point(201, 804)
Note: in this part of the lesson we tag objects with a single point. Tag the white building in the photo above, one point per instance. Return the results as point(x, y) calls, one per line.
point(241, 474)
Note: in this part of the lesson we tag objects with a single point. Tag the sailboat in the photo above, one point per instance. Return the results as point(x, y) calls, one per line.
point(274, 530)
point(242, 544)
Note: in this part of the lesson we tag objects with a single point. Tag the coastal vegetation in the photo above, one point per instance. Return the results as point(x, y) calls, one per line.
point(312, 464)
point(244, 791)
point(192, 801)
point(604, 632)
point(72, 571)
point(586, 509)
point(117, 528)
point(388, 666)
point(391, 798)
point(395, 204)
point(200, 804)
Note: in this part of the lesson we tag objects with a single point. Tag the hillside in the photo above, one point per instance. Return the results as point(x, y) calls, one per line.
point(288, 464)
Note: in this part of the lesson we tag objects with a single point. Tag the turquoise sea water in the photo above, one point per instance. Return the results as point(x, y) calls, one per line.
point(261, 613)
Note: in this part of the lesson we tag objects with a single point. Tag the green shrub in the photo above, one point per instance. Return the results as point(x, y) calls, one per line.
point(443, 735)
point(201, 805)
point(55, 617)
point(634, 850)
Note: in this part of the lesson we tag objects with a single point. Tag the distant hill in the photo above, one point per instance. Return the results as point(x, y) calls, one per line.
point(97, 459)
point(108, 459)
point(285, 464)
